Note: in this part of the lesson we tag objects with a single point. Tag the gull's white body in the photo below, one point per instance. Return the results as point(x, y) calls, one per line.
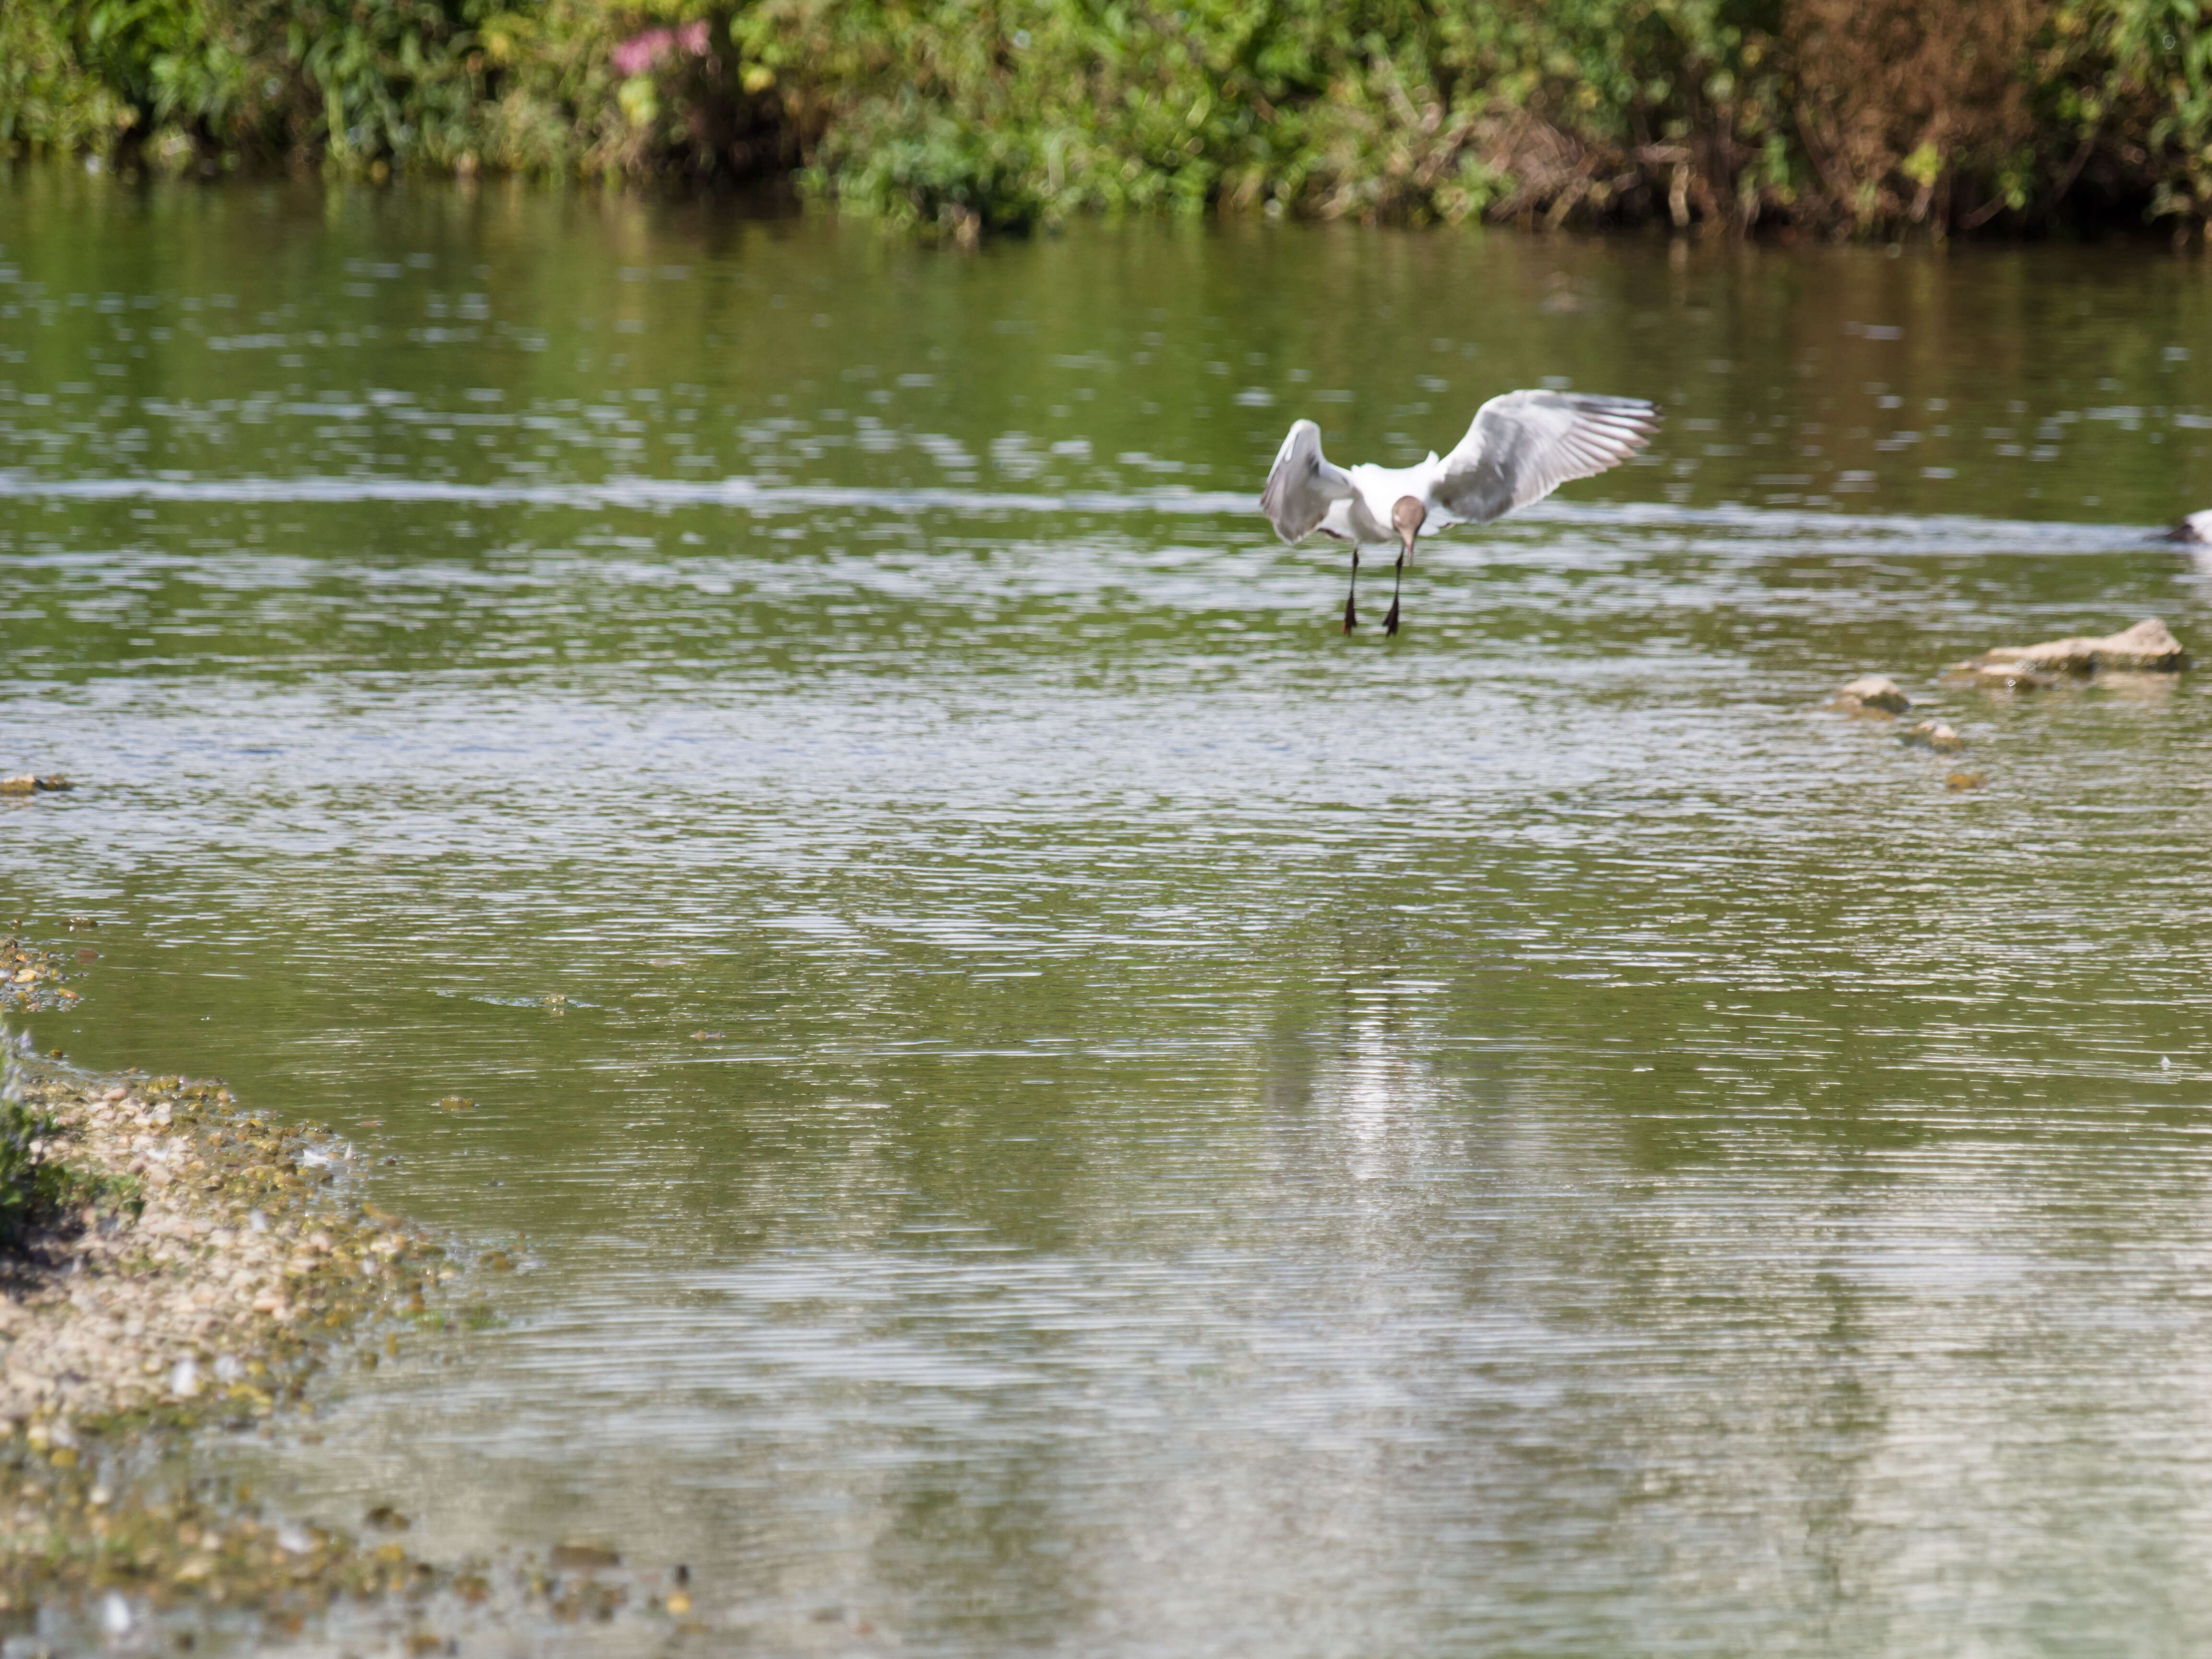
point(1363, 516)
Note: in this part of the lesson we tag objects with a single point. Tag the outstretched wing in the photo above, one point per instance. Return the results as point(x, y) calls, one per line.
point(1302, 485)
point(1525, 445)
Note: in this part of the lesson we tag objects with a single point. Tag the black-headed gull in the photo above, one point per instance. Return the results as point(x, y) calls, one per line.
point(2195, 527)
point(1521, 447)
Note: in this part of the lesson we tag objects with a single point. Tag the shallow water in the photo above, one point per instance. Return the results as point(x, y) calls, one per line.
point(1054, 1104)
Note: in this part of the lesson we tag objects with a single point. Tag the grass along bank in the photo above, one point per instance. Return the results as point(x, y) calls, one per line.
point(1831, 115)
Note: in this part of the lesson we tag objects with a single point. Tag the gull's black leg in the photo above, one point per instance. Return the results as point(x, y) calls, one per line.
point(1390, 622)
point(1351, 615)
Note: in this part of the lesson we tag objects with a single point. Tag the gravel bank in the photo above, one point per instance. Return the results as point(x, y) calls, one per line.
point(206, 1262)
point(205, 1275)
point(185, 1262)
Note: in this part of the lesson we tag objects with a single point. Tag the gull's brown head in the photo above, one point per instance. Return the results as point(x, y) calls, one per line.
point(1407, 517)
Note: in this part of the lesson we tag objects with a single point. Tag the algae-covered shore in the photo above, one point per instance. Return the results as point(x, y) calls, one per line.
point(176, 1261)
point(180, 1264)
point(201, 1274)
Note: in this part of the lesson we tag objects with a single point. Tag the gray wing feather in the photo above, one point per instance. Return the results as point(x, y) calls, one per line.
point(1302, 485)
point(1525, 445)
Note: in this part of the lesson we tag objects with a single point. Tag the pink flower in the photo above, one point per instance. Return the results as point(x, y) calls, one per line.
point(642, 51)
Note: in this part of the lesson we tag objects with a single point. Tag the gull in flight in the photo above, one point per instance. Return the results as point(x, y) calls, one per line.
point(1522, 447)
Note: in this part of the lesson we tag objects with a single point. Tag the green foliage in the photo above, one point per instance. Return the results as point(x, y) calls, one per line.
point(2137, 74)
point(32, 1185)
point(949, 108)
point(361, 85)
point(966, 115)
point(163, 58)
point(35, 1187)
point(48, 100)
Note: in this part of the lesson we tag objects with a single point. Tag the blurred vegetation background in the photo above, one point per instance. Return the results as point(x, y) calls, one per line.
point(1845, 117)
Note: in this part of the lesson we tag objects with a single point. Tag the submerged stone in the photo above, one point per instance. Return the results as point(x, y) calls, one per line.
point(1934, 734)
point(2148, 647)
point(2005, 677)
point(1873, 694)
point(584, 1557)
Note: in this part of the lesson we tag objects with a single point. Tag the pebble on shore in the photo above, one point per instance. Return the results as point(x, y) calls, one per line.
point(31, 979)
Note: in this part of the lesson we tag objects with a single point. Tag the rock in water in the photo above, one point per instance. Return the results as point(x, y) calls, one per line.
point(2148, 647)
point(1934, 734)
point(584, 1557)
point(2005, 677)
point(1873, 694)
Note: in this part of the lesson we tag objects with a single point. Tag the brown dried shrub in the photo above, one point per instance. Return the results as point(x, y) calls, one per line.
point(1900, 100)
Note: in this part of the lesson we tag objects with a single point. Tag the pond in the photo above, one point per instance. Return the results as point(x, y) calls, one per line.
point(1049, 1102)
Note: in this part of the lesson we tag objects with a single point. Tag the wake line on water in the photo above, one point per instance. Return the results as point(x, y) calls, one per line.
point(651, 493)
point(616, 492)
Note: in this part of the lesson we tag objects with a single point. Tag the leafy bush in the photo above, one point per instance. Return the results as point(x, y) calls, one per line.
point(48, 100)
point(1849, 116)
point(1834, 114)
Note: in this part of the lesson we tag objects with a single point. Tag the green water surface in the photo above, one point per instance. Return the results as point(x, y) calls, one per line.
point(1052, 1104)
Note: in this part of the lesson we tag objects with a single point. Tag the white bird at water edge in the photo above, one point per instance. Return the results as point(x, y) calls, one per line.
point(1522, 447)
